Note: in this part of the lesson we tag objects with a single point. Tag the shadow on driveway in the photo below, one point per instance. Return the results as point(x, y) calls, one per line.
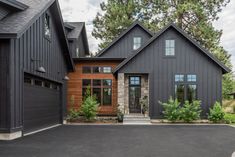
point(125, 141)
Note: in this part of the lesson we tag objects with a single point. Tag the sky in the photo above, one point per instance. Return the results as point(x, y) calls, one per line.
point(86, 10)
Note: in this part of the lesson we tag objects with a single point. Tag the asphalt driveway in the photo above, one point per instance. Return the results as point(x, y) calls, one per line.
point(125, 141)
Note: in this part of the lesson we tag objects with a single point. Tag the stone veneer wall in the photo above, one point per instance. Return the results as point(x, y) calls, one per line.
point(123, 90)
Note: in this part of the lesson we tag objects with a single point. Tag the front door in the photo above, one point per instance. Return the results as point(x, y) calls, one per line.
point(134, 94)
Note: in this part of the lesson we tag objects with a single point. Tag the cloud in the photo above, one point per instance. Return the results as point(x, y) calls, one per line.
point(226, 22)
point(82, 11)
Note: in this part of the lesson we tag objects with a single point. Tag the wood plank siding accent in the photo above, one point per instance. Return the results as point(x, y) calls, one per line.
point(75, 85)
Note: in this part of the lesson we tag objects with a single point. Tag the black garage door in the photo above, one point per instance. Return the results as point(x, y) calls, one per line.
point(42, 104)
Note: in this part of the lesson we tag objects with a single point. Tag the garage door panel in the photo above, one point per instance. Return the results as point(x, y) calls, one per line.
point(42, 107)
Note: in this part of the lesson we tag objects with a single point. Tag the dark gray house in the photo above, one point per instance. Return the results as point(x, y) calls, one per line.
point(168, 63)
point(35, 58)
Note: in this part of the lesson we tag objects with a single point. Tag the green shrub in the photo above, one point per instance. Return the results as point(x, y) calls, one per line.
point(216, 113)
point(171, 110)
point(73, 114)
point(190, 111)
point(89, 106)
point(229, 118)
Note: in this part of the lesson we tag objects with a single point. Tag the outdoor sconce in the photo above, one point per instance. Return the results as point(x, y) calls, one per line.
point(40, 69)
point(66, 78)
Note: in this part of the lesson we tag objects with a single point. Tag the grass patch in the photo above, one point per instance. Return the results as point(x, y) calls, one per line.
point(229, 118)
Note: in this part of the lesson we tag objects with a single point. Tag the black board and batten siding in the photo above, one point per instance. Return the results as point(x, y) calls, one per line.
point(26, 54)
point(124, 47)
point(4, 84)
point(161, 70)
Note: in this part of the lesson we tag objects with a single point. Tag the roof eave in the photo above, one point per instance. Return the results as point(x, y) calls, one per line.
point(15, 4)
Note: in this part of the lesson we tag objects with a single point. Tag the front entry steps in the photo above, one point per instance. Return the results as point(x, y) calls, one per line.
point(136, 119)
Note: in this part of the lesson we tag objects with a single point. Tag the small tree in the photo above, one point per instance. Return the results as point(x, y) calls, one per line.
point(89, 106)
point(216, 113)
point(190, 111)
point(171, 109)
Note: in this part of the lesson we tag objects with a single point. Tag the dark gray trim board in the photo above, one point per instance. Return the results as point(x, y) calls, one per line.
point(136, 23)
point(225, 69)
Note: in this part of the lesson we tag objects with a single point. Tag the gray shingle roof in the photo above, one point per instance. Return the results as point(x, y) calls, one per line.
point(18, 22)
point(75, 33)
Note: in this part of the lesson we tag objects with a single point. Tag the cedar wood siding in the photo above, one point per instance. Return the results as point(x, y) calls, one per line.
point(75, 85)
point(124, 46)
point(33, 45)
point(188, 60)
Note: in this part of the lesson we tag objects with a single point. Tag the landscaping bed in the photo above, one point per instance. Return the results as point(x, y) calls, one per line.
point(97, 120)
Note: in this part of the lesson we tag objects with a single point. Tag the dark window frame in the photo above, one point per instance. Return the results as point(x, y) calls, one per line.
point(186, 83)
point(169, 48)
point(102, 87)
point(47, 23)
point(87, 72)
point(139, 43)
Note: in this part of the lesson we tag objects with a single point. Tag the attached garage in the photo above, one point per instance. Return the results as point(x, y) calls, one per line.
point(42, 104)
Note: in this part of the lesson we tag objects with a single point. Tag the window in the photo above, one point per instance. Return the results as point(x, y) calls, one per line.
point(86, 70)
point(27, 80)
point(170, 47)
point(107, 82)
point(86, 82)
point(107, 96)
point(47, 26)
point(191, 92)
point(101, 89)
point(185, 89)
point(97, 69)
point(179, 78)
point(107, 69)
point(97, 94)
point(191, 78)
point(37, 82)
point(96, 82)
point(179, 92)
point(47, 84)
point(134, 80)
point(77, 52)
point(136, 43)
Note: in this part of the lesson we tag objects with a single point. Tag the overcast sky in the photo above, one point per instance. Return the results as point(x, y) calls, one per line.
point(85, 11)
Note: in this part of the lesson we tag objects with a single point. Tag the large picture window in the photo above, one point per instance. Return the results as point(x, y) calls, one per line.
point(101, 89)
point(185, 89)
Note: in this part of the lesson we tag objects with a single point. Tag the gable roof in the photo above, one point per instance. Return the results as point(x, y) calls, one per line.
point(14, 4)
point(78, 29)
point(203, 50)
point(15, 24)
point(136, 23)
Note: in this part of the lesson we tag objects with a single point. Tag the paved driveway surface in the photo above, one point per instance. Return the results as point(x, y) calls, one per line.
point(125, 141)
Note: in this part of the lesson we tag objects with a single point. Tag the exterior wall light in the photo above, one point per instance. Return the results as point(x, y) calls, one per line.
point(66, 78)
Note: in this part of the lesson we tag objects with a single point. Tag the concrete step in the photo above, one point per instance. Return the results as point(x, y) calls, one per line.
point(136, 119)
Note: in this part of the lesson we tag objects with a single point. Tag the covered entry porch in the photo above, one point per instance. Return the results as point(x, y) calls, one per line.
point(132, 88)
